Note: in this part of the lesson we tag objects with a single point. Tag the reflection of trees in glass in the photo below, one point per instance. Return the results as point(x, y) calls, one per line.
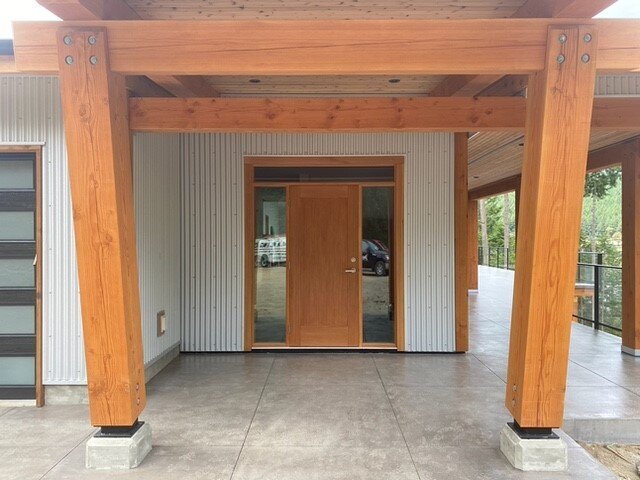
point(271, 211)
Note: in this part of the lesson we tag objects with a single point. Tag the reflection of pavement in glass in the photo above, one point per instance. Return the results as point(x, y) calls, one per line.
point(271, 306)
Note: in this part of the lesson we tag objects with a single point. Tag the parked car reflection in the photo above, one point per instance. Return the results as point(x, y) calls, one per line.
point(375, 257)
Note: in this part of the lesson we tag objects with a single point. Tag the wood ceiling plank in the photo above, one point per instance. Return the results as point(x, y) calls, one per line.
point(328, 47)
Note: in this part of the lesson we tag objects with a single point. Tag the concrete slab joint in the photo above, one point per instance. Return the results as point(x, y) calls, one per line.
point(118, 453)
point(534, 455)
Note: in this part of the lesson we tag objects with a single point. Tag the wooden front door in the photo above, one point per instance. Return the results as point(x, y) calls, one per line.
point(324, 267)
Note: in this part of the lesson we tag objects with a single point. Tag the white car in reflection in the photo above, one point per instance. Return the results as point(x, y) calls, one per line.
point(271, 251)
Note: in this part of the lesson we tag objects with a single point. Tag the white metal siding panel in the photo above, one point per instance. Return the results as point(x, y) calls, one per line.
point(618, 85)
point(156, 178)
point(212, 230)
point(30, 113)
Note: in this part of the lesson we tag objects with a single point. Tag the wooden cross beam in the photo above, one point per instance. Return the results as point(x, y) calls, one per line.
point(356, 114)
point(328, 47)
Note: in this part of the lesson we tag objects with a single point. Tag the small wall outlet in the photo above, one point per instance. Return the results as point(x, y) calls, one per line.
point(162, 322)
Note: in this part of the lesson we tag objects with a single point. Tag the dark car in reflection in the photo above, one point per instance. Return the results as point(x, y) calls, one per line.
point(375, 257)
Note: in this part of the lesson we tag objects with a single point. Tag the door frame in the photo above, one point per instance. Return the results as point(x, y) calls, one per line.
point(37, 151)
point(397, 247)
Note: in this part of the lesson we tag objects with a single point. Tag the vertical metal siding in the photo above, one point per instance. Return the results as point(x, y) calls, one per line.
point(30, 113)
point(618, 85)
point(156, 177)
point(212, 230)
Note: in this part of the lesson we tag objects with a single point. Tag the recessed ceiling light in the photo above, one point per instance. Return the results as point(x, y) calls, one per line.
point(394, 80)
point(254, 80)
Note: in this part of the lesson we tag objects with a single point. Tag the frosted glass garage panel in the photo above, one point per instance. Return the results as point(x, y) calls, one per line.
point(17, 226)
point(16, 174)
point(17, 320)
point(17, 273)
point(17, 370)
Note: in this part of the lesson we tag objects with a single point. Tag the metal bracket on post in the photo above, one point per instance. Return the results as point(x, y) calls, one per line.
point(532, 433)
point(119, 432)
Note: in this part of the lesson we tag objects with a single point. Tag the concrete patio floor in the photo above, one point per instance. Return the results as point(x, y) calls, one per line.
point(336, 416)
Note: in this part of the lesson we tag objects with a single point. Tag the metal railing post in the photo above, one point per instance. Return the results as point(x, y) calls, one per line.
point(596, 292)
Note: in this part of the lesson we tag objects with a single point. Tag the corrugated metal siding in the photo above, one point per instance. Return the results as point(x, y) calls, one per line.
point(156, 178)
point(30, 113)
point(618, 85)
point(212, 230)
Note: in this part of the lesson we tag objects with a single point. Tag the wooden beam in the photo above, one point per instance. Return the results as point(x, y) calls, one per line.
point(631, 248)
point(500, 187)
point(473, 245)
point(94, 103)
point(502, 86)
point(327, 47)
point(556, 144)
point(562, 8)
point(507, 86)
point(8, 64)
point(611, 155)
point(144, 87)
point(356, 114)
point(325, 114)
point(461, 240)
point(89, 10)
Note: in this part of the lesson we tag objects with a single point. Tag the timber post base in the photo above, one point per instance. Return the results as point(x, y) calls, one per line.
point(118, 448)
point(634, 352)
point(533, 450)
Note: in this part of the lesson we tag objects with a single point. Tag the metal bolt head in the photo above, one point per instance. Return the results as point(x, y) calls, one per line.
point(92, 40)
point(562, 38)
point(587, 37)
point(67, 40)
point(560, 58)
point(93, 59)
point(68, 60)
point(585, 58)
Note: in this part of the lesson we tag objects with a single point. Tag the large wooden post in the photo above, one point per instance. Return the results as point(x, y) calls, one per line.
point(631, 249)
point(96, 119)
point(472, 243)
point(559, 104)
point(461, 227)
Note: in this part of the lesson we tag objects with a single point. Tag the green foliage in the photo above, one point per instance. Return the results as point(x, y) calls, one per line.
point(599, 183)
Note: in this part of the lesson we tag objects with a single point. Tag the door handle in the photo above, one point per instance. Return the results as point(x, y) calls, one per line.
point(350, 270)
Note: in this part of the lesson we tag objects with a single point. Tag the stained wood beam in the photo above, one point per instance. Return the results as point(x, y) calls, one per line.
point(631, 248)
point(8, 64)
point(327, 47)
point(356, 114)
point(89, 10)
point(492, 189)
point(611, 155)
point(472, 245)
point(461, 240)
point(472, 86)
point(325, 114)
point(556, 144)
point(95, 110)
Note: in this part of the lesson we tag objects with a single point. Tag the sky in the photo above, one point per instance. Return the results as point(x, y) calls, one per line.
point(11, 10)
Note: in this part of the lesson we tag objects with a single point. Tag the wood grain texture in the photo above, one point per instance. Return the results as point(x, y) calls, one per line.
point(324, 300)
point(398, 252)
point(631, 246)
point(88, 10)
point(319, 9)
point(326, 114)
point(461, 240)
point(357, 114)
point(95, 112)
point(556, 145)
point(327, 47)
point(494, 156)
point(500, 187)
point(473, 245)
point(478, 85)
